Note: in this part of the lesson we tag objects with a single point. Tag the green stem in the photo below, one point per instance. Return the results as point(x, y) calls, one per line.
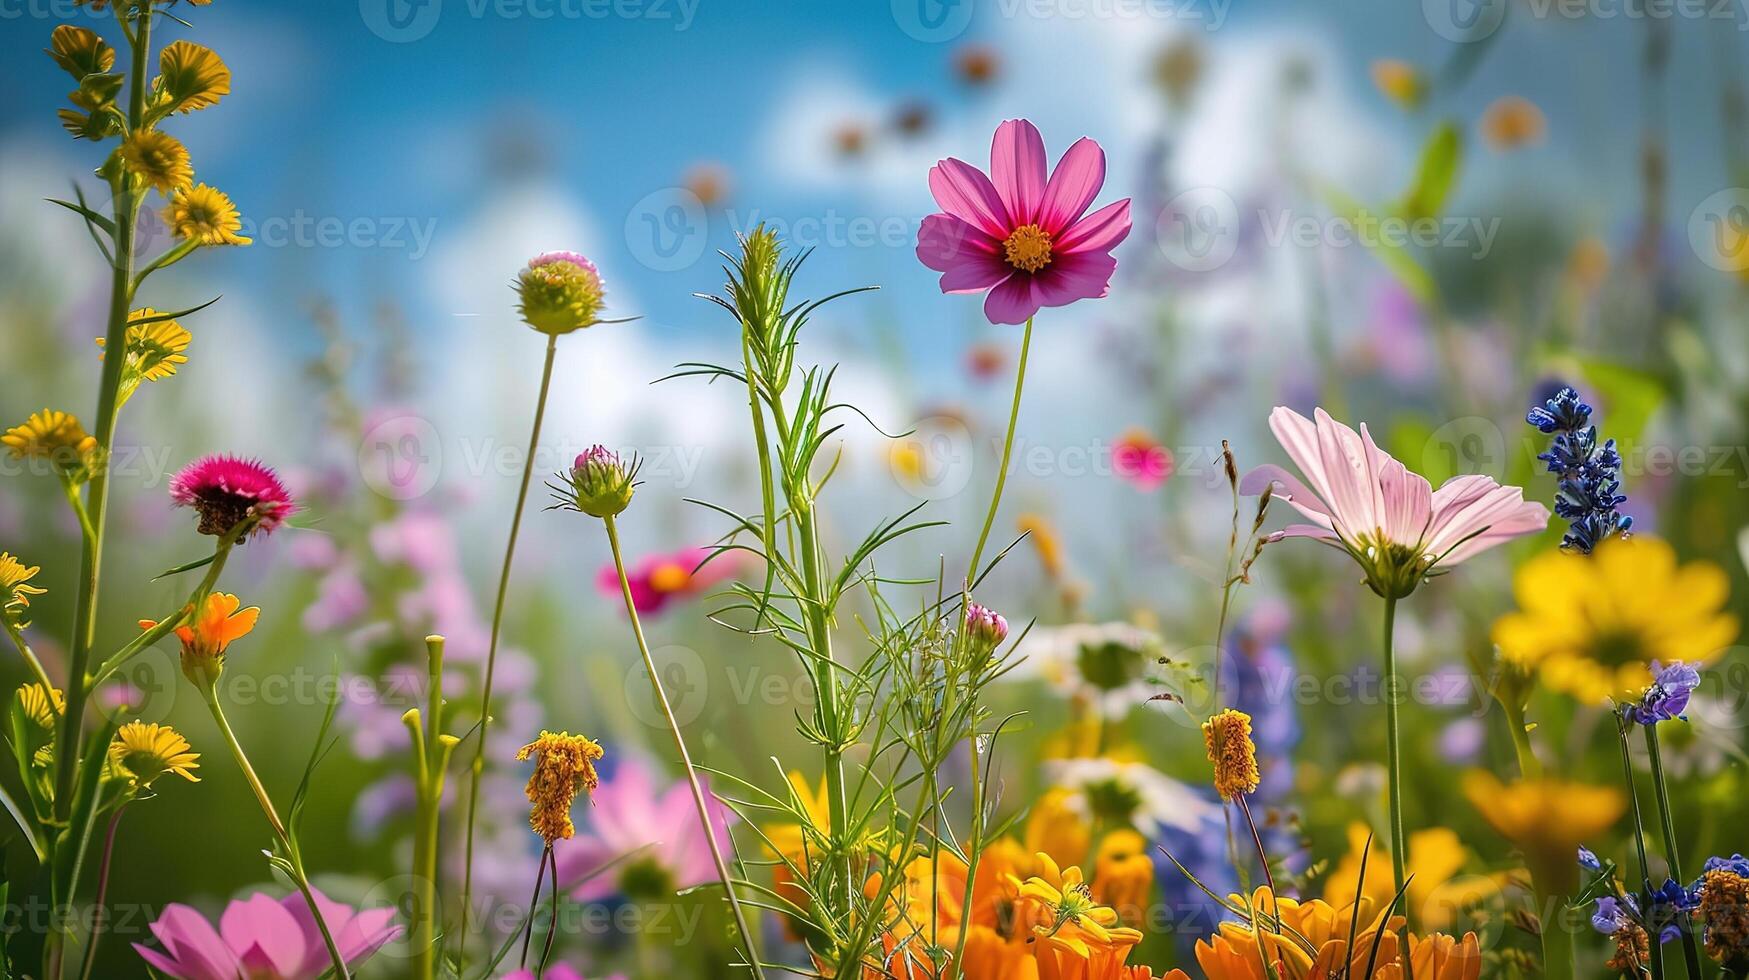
point(168, 624)
point(1690, 949)
point(97, 906)
point(704, 817)
point(30, 658)
point(1627, 772)
point(432, 753)
point(1394, 767)
point(1007, 450)
point(210, 694)
point(479, 763)
point(1529, 766)
point(826, 690)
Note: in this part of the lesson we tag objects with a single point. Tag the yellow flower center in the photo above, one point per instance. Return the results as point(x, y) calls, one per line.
point(669, 578)
point(1028, 248)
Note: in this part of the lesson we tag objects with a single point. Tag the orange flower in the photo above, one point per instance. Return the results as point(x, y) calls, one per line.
point(206, 635)
point(1511, 122)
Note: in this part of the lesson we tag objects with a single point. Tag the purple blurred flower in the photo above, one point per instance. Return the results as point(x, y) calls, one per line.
point(264, 939)
point(1668, 696)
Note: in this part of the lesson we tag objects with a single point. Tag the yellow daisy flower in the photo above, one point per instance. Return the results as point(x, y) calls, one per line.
point(15, 590)
point(192, 77)
point(205, 214)
point(80, 52)
point(157, 158)
point(42, 706)
point(54, 436)
point(146, 751)
point(1546, 819)
point(1436, 857)
point(154, 349)
point(564, 764)
point(1590, 626)
point(1123, 875)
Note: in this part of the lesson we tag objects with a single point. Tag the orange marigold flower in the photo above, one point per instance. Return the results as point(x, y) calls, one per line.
point(206, 635)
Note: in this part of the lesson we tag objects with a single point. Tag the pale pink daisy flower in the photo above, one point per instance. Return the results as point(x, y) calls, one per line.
point(266, 938)
point(1026, 239)
point(1394, 524)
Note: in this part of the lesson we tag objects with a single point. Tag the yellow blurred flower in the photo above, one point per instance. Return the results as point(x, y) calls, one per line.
point(1546, 819)
point(1059, 826)
point(191, 77)
point(1046, 542)
point(1511, 122)
point(1399, 81)
point(795, 845)
point(1436, 855)
point(1233, 953)
point(157, 158)
point(1123, 875)
point(146, 751)
point(15, 587)
point(1590, 626)
point(52, 435)
point(204, 214)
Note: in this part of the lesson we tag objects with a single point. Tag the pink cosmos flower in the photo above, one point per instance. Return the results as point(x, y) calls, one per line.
point(660, 579)
point(1140, 461)
point(1390, 520)
point(264, 939)
point(558, 971)
point(659, 830)
point(226, 489)
point(1026, 239)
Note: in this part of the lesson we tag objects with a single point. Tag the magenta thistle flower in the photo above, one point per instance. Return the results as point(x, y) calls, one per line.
point(1026, 239)
point(266, 938)
point(226, 490)
point(1391, 521)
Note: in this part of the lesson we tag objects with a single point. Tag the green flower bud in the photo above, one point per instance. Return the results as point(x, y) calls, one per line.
point(561, 292)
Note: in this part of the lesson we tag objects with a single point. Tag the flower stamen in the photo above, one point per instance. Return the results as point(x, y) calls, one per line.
point(1028, 248)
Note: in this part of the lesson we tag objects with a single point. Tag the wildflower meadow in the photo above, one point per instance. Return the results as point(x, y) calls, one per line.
point(704, 488)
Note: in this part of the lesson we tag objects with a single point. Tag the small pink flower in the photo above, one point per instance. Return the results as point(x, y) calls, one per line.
point(660, 579)
point(264, 939)
point(1026, 239)
point(657, 826)
point(570, 258)
point(1390, 520)
point(226, 490)
point(1139, 460)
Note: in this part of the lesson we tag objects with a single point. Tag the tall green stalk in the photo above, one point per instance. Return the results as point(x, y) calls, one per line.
point(479, 764)
point(1627, 773)
point(431, 750)
point(975, 839)
point(698, 799)
point(1394, 770)
point(1690, 950)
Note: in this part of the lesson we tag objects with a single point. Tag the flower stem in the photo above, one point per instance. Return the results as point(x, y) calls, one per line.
point(1394, 770)
point(210, 693)
point(1007, 450)
point(1627, 772)
point(479, 763)
point(698, 799)
point(1690, 950)
point(97, 907)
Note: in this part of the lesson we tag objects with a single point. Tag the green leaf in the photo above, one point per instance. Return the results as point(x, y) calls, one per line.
point(1390, 253)
point(1441, 159)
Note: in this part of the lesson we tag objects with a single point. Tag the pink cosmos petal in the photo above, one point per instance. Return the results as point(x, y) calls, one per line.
point(944, 242)
point(1305, 531)
point(1289, 488)
point(1017, 167)
point(975, 275)
point(167, 966)
point(1012, 301)
point(1073, 186)
point(369, 931)
point(1348, 468)
point(1100, 231)
point(192, 942)
point(1407, 505)
point(963, 191)
point(1076, 276)
point(264, 935)
point(1299, 436)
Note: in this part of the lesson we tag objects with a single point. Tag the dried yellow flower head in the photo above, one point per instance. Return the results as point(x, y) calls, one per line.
point(1724, 906)
point(146, 751)
point(1228, 736)
point(564, 764)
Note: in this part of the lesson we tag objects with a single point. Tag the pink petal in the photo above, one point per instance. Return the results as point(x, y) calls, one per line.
point(1473, 513)
point(963, 191)
point(264, 934)
point(1407, 503)
point(1017, 166)
point(1012, 301)
point(582, 856)
point(1074, 185)
point(335, 916)
point(192, 941)
point(944, 242)
point(1529, 517)
point(1077, 276)
point(1100, 231)
point(1305, 531)
point(167, 966)
point(1289, 488)
point(369, 931)
point(1351, 483)
point(1299, 436)
point(975, 275)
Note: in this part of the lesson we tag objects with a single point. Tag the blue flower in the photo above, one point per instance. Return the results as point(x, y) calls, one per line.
point(1613, 914)
point(1588, 860)
point(1737, 864)
point(1588, 476)
point(1668, 696)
